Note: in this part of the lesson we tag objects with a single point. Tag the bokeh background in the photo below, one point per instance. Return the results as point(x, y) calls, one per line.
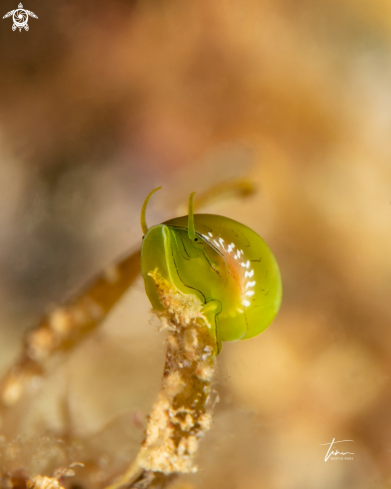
point(102, 101)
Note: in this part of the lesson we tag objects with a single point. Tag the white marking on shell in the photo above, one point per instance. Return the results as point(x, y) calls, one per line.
point(205, 236)
point(210, 234)
point(247, 273)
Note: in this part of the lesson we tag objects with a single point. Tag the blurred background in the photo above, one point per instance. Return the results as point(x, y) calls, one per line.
point(103, 101)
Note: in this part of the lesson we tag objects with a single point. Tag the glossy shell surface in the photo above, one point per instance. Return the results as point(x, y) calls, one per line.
point(228, 263)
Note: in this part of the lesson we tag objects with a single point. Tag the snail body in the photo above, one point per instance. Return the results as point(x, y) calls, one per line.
point(224, 264)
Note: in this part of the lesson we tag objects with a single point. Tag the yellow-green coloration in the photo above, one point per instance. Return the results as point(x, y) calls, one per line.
point(217, 263)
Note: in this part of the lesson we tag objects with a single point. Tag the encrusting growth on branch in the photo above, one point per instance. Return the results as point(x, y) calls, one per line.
point(180, 416)
point(182, 413)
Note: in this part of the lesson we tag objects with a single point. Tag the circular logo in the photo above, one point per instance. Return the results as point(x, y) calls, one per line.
point(20, 18)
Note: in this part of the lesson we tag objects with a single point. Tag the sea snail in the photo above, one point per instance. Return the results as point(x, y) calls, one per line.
point(222, 262)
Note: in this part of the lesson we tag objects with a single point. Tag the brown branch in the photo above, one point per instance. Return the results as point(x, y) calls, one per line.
point(67, 326)
point(182, 413)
